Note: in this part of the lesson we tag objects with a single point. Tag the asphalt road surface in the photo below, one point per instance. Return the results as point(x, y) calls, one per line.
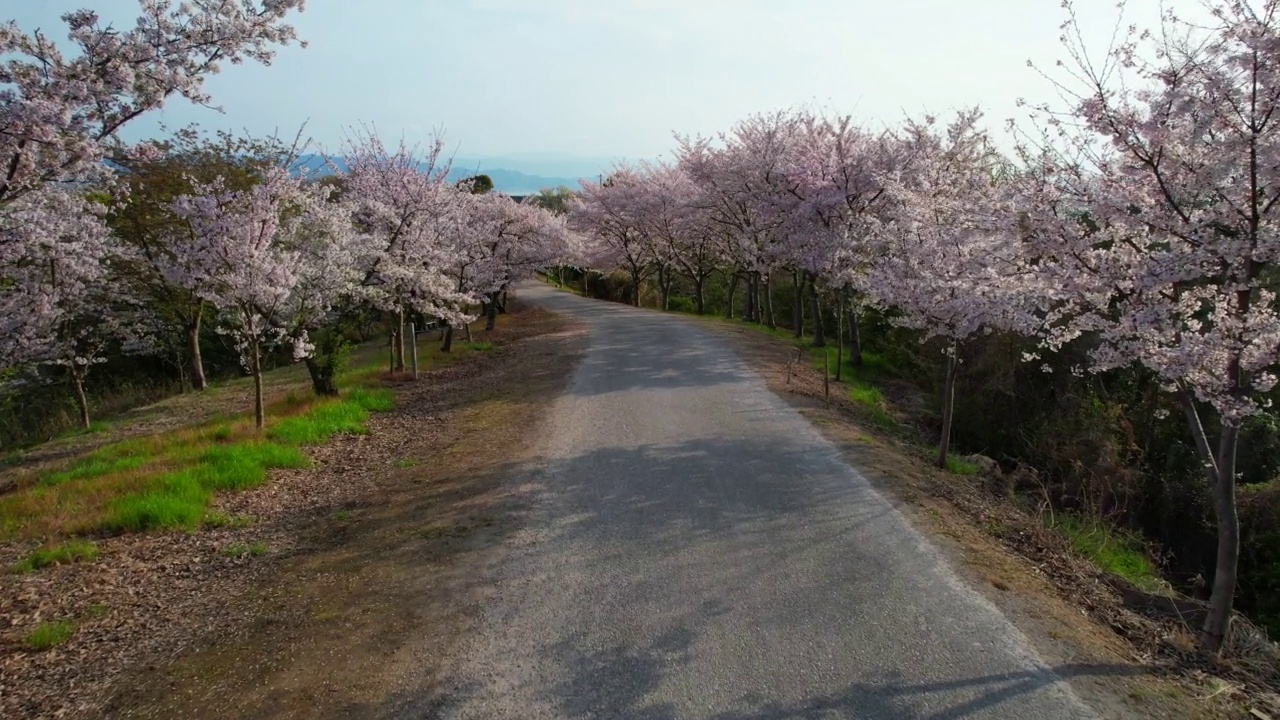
point(699, 550)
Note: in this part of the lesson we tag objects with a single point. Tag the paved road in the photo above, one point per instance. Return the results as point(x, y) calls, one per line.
point(700, 551)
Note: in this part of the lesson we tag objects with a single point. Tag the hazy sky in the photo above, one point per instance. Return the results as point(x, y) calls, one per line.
point(616, 77)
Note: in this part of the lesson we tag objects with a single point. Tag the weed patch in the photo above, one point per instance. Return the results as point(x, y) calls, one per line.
point(64, 554)
point(218, 519)
point(239, 550)
point(1111, 550)
point(957, 466)
point(50, 634)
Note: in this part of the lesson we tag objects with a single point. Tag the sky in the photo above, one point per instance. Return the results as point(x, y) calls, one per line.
point(615, 78)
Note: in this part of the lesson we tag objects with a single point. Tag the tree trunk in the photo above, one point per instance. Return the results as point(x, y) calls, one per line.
point(855, 337)
point(255, 367)
point(815, 309)
point(797, 310)
point(733, 289)
point(82, 400)
point(768, 302)
point(1218, 622)
point(635, 288)
point(193, 348)
point(948, 405)
point(699, 295)
point(466, 329)
point(448, 339)
point(664, 287)
point(400, 340)
point(322, 378)
point(839, 335)
point(491, 317)
point(753, 298)
point(1220, 472)
point(502, 304)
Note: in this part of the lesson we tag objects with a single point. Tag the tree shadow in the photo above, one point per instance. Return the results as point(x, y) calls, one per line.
point(895, 699)
point(753, 572)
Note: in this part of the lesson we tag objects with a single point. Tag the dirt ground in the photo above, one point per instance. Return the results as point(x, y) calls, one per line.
point(370, 546)
point(1126, 665)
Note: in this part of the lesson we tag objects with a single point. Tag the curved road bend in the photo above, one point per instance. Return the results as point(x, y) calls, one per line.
point(699, 550)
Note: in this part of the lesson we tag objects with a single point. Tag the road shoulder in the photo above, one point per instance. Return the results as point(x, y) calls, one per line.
point(362, 617)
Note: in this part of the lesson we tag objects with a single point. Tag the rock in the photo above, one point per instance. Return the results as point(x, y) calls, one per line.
point(987, 467)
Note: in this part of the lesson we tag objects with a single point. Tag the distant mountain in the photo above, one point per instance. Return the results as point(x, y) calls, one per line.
point(521, 181)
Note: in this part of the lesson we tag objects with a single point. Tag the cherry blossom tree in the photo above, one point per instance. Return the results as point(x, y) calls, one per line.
point(682, 241)
point(59, 305)
point(742, 176)
point(248, 264)
point(404, 206)
point(944, 256)
point(1154, 209)
point(59, 114)
point(609, 214)
point(839, 175)
point(331, 257)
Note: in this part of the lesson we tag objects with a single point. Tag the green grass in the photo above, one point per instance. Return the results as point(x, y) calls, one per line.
point(49, 634)
point(478, 346)
point(179, 500)
point(961, 467)
point(239, 550)
point(869, 398)
point(168, 481)
point(342, 516)
point(348, 415)
point(95, 466)
point(175, 501)
point(244, 465)
point(1111, 550)
point(64, 554)
point(406, 463)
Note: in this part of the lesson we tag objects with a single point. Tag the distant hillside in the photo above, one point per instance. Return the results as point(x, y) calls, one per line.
point(511, 182)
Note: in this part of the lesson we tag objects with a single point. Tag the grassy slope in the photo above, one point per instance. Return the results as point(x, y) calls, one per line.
point(160, 467)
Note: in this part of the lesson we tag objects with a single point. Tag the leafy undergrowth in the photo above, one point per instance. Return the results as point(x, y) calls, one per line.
point(168, 480)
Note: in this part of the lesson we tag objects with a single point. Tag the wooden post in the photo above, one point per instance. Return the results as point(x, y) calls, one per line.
point(413, 347)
